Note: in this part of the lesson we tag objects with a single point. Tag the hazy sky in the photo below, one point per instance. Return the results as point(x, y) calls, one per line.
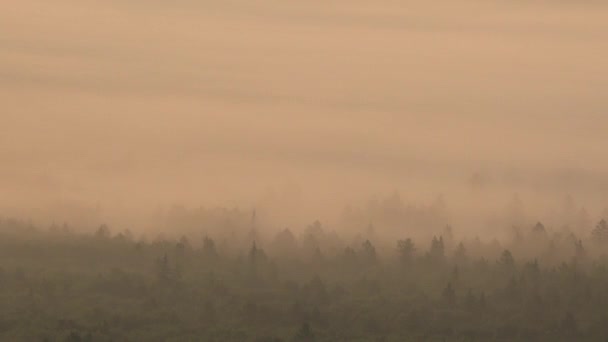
point(214, 101)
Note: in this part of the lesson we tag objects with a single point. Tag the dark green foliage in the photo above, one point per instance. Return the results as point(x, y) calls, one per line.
point(449, 295)
point(305, 334)
point(437, 252)
point(406, 250)
point(600, 232)
point(58, 285)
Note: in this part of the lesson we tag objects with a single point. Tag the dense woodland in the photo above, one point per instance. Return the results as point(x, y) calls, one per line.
point(229, 282)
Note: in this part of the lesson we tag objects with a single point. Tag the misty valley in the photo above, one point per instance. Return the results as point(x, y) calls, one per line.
point(218, 170)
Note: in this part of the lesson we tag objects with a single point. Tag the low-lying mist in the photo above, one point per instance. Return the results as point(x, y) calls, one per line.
point(117, 112)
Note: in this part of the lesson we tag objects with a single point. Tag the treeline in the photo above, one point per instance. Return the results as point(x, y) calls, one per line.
point(60, 284)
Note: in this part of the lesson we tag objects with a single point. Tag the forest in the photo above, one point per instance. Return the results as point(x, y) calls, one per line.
point(228, 279)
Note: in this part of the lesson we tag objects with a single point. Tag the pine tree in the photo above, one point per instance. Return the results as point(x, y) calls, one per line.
point(600, 232)
point(406, 250)
point(449, 295)
point(305, 334)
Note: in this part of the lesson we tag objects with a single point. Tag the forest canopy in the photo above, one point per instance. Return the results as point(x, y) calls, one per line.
point(231, 280)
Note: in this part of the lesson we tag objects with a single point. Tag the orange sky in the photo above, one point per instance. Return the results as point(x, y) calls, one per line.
point(154, 102)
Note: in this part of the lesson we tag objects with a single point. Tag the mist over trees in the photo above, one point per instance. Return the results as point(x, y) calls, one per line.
point(271, 170)
point(400, 273)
